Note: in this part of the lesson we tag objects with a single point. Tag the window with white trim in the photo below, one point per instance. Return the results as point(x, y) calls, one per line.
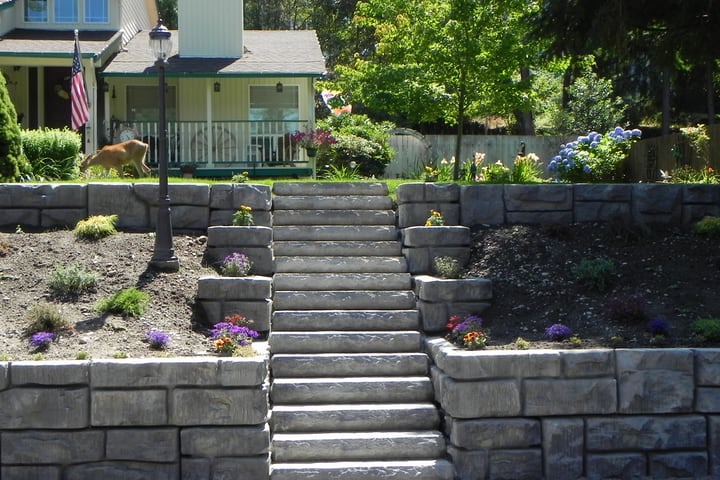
point(96, 11)
point(36, 11)
point(66, 11)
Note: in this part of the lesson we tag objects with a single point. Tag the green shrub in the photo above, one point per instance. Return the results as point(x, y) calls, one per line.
point(71, 280)
point(447, 267)
point(709, 226)
point(708, 329)
point(526, 169)
point(595, 273)
point(243, 217)
point(53, 154)
point(12, 161)
point(129, 302)
point(45, 317)
point(96, 227)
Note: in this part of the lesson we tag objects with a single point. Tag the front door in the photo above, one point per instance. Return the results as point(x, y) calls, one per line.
point(57, 97)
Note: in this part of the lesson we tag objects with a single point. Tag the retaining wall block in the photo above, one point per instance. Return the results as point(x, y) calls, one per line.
point(236, 236)
point(153, 372)
point(225, 441)
point(601, 212)
point(50, 408)
point(248, 467)
point(184, 217)
point(482, 205)
point(259, 311)
point(261, 257)
point(143, 444)
point(61, 217)
point(556, 217)
point(646, 433)
point(700, 194)
point(587, 363)
point(655, 381)
point(570, 397)
point(434, 289)
point(428, 193)
point(27, 217)
point(449, 236)
point(234, 288)
point(615, 465)
point(497, 398)
point(695, 213)
point(197, 194)
point(538, 198)
point(50, 373)
point(30, 473)
point(494, 434)
point(563, 446)
point(192, 406)
point(525, 464)
point(117, 408)
point(196, 468)
point(49, 447)
point(657, 203)
point(416, 214)
point(262, 218)
point(469, 464)
point(707, 372)
point(707, 400)
point(434, 316)
point(4, 375)
point(123, 471)
point(602, 192)
point(33, 195)
point(233, 195)
point(714, 444)
point(119, 199)
point(245, 372)
point(678, 464)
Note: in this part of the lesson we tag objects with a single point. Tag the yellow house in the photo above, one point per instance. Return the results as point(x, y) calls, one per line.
point(233, 97)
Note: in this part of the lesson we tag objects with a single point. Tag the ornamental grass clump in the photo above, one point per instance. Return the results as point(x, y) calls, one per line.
point(466, 332)
point(71, 280)
point(709, 226)
point(233, 336)
point(96, 227)
point(236, 265)
point(243, 217)
point(45, 317)
point(129, 302)
point(595, 273)
point(558, 332)
point(706, 329)
point(447, 267)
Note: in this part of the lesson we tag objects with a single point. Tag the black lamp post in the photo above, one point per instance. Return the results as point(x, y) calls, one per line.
point(163, 258)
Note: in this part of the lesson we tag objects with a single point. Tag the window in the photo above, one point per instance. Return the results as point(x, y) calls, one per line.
point(66, 11)
point(36, 10)
point(142, 104)
point(96, 11)
point(267, 103)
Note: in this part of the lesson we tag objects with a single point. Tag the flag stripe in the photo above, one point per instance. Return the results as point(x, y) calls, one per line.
point(80, 112)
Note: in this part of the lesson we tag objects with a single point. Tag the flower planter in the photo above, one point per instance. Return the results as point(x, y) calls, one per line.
point(440, 298)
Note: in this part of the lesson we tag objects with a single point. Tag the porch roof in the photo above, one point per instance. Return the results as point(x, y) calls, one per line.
point(39, 44)
point(272, 53)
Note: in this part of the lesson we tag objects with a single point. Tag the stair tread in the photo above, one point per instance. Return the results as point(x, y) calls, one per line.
point(436, 469)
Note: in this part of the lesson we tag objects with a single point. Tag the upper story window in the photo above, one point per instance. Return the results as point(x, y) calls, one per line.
point(67, 11)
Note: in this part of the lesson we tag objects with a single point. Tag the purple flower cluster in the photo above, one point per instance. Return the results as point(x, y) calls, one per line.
point(42, 339)
point(460, 326)
point(659, 326)
point(157, 339)
point(236, 265)
point(558, 332)
point(239, 333)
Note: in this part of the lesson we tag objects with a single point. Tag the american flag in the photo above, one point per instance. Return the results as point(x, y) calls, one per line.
point(80, 112)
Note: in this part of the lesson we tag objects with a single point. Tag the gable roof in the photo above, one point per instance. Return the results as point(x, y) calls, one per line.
point(286, 53)
point(98, 45)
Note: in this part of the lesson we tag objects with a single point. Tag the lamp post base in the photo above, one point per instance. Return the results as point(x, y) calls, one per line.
point(167, 265)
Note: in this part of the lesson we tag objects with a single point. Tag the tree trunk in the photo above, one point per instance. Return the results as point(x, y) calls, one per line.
point(525, 119)
point(710, 87)
point(666, 101)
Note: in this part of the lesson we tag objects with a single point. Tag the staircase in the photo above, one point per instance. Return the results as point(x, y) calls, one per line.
point(351, 394)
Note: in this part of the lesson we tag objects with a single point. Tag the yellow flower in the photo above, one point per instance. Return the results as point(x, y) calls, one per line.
point(245, 208)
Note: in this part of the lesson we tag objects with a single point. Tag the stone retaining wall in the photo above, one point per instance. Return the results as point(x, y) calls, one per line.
point(165, 419)
point(574, 414)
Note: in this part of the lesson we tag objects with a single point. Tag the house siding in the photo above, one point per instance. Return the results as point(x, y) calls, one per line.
point(136, 15)
point(211, 29)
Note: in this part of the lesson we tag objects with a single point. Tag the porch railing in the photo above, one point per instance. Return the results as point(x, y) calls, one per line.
point(239, 143)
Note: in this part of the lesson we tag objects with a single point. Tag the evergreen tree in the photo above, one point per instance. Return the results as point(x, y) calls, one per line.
point(10, 143)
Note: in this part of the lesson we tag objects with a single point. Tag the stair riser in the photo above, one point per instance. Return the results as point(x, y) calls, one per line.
point(318, 320)
point(299, 392)
point(340, 265)
point(342, 281)
point(373, 419)
point(432, 470)
point(343, 300)
point(334, 202)
point(288, 366)
point(330, 188)
point(333, 217)
point(345, 342)
point(335, 233)
point(314, 249)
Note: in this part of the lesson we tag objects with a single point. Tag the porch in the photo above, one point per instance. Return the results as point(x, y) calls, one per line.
point(221, 149)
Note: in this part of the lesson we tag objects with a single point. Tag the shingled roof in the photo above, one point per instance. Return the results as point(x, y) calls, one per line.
point(58, 43)
point(267, 53)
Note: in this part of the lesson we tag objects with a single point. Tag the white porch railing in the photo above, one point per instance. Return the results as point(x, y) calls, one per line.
point(240, 143)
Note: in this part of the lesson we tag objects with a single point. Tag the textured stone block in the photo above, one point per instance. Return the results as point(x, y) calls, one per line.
point(124, 471)
point(19, 216)
point(518, 464)
point(150, 372)
point(248, 467)
point(195, 468)
point(61, 217)
point(616, 465)
point(707, 367)
point(714, 444)
point(257, 311)
point(232, 196)
point(562, 445)
point(30, 472)
point(434, 289)
point(602, 192)
point(416, 214)
point(230, 236)
point(655, 381)
point(234, 288)
point(693, 213)
point(48, 447)
point(538, 198)
point(143, 444)
point(50, 373)
point(184, 217)
point(129, 408)
point(434, 316)
point(243, 372)
point(588, 363)
point(262, 218)
point(4, 377)
point(219, 407)
point(451, 236)
point(225, 442)
point(601, 211)
point(469, 465)
point(499, 398)
point(495, 434)
point(645, 433)
point(678, 465)
point(657, 203)
point(570, 397)
point(481, 205)
point(707, 400)
point(119, 199)
point(427, 192)
point(44, 408)
point(43, 195)
point(700, 193)
point(554, 217)
point(180, 194)
point(261, 258)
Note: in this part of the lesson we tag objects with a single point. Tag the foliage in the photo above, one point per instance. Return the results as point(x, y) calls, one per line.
point(495, 173)
point(45, 317)
point(709, 226)
point(71, 280)
point(158, 340)
point(526, 169)
point(699, 141)
point(229, 336)
point(435, 219)
point(466, 332)
point(430, 173)
point(13, 163)
point(54, 154)
point(521, 343)
point(96, 227)
point(342, 173)
point(447, 267)
point(357, 139)
point(594, 158)
point(243, 217)
point(42, 340)
point(317, 138)
point(687, 174)
point(595, 273)
point(631, 308)
point(129, 302)
point(236, 265)
point(558, 332)
point(240, 177)
point(659, 326)
point(707, 329)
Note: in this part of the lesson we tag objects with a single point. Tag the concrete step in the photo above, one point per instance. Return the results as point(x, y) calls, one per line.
point(335, 232)
point(306, 391)
point(342, 281)
point(389, 248)
point(344, 299)
point(345, 342)
point(356, 418)
point(333, 217)
point(348, 364)
point(342, 446)
point(331, 202)
point(342, 189)
point(334, 264)
point(395, 470)
point(343, 320)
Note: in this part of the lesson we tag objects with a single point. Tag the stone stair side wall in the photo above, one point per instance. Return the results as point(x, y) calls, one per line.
point(117, 419)
point(580, 414)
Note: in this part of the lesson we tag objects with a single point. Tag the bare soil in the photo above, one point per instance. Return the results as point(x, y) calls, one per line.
point(531, 267)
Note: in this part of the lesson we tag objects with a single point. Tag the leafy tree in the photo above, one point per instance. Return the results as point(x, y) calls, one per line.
point(167, 9)
point(11, 161)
